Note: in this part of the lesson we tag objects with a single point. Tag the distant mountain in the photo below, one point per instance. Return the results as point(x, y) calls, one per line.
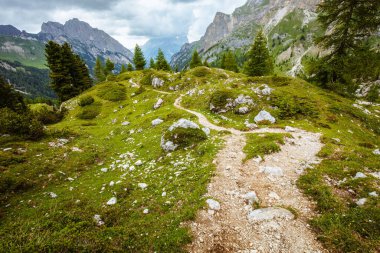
point(169, 45)
point(290, 27)
point(26, 50)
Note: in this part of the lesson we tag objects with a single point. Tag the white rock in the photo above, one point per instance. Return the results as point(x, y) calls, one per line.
point(360, 175)
point(373, 194)
point(251, 197)
point(146, 211)
point(241, 99)
point(76, 149)
point(112, 201)
point(264, 115)
point(98, 220)
point(112, 183)
point(250, 125)
point(53, 195)
point(7, 149)
point(157, 82)
point(206, 130)
point(213, 204)
point(243, 110)
point(70, 179)
point(139, 163)
point(269, 213)
point(274, 195)
point(273, 171)
point(156, 122)
point(142, 185)
point(361, 201)
point(125, 123)
point(158, 104)
point(163, 194)
point(183, 123)
point(376, 152)
point(168, 146)
point(290, 129)
point(258, 159)
point(103, 169)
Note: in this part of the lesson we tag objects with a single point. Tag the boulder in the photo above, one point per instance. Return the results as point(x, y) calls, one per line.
point(264, 116)
point(184, 123)
point(269, 213)
point(241, 99)
point(158, 104)
point(156, 122)
point(157, 82)
point(243, 110)
point(360, 175)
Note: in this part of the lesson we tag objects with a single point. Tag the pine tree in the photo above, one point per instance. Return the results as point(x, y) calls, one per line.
point(123, 69)
point(205, 63)
point(129, 67)
point(259, 62)
point(161, 63)
point(229, 62)
point(68, 73)
point(110, 66)
point(138, 58)
point(195, 60)
point(152, 64)
point(99, 71)
point(10, 98)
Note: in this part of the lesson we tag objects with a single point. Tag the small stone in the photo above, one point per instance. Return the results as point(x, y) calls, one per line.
point(274, 195)
point(206, 130)
point(290, 129)
point(70, 179)
point(258, 159)
point(125, 123)
point(376, 152)
point(163, 194)
point(103, 169)
point(139, 163)
point(98, 220)
point(264, 116)
point(112, 201)
point(213, 204)
point(142, 185)
point(269, 213)
point(361, 201)
point(157, 122)
point(251, 197)
point(7, 149)
point(146, 211)
point(112, 183)
point(272, 171)
point(158, 103)
point(373, 194)
point(53, 195)
point(76, 149)
point(360, 175)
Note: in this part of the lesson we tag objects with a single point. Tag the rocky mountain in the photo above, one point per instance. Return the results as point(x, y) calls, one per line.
point(168, 44)
point(290, 26)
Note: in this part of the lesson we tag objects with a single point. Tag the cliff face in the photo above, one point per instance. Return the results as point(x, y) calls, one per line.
point(237, 30)
point(87, 41)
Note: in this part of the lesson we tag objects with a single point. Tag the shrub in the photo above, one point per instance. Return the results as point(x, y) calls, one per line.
point(52, 116)
point(291, 106)
point(201, 71)
point(90, 111)
point(25, 125)
point(185, 137)
point(86, 100)
point(112, 92)
point(219, 98)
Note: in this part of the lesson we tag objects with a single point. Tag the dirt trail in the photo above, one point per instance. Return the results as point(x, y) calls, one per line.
point(234, 228)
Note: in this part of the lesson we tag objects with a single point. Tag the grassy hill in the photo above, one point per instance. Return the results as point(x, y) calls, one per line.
point(52, 189)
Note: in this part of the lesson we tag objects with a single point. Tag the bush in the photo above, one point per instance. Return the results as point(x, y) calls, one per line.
point(47, 117)
point(25, 125)
point(86, 100)
point(291, 106)
point(201, 71)
point(112, 92)
point(219, 98)
point(90, 111)
point(185, 137)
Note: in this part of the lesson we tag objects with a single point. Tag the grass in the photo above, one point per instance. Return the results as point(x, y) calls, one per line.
point(263, 144)
point(30, 220)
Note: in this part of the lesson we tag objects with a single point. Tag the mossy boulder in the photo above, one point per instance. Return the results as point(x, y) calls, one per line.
point(184, 133)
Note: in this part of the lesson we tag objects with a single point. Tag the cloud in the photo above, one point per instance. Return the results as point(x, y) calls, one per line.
point(129, 21)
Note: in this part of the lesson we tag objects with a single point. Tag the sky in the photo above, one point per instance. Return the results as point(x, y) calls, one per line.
point(129, 21)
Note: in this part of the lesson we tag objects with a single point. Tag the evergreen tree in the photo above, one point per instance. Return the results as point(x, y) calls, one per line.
point(161, 63)
point(110, 66)
point(206, 64)
point(99, 71)
point(138, 58)
point(10, 98)
point(152, 64)
point(259, 62)
point(123, 69)
point(129, 67)
point(68, 73)
point(196, 61)
point(229, 62)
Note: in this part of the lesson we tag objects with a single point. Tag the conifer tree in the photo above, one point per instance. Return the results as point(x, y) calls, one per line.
point(205, 63)
point(259, 61)
point(10, 98)
point(152, 64)
point(229, 62)
point(138, 58)
point(68, 73)
point(123, 69)
point(161, 63)
point(196, 61)
point(99, 71)
point(110, 66)
point(129, 67)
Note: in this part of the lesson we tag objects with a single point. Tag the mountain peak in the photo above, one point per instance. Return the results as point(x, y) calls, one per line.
point(9, 30)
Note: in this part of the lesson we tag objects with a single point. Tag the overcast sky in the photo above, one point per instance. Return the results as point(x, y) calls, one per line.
point(128, 21)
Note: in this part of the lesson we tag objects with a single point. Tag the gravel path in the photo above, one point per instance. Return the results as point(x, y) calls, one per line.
point(278, 223)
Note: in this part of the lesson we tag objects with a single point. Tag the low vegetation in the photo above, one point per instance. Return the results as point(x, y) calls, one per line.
point(263, 144)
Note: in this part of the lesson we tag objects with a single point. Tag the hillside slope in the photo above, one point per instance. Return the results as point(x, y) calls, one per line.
point(103, 182)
